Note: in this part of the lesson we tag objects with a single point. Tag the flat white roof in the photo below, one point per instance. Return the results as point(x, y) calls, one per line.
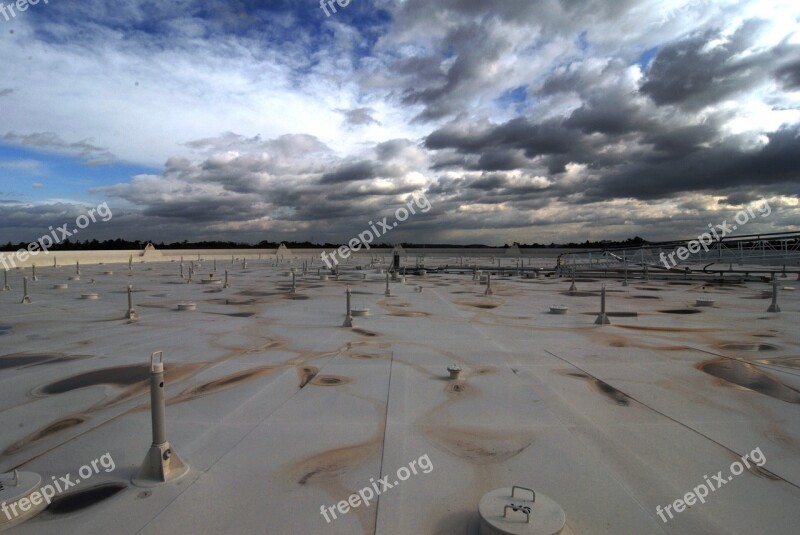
point(280, 411)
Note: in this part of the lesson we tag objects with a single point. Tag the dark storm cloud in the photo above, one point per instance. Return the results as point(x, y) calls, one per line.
point(551, 16)
point(789, 75)
point(651, 159)
point(509, 10)
point(473, 48)
point(363, 170)
point(738, 199)
point(51, 142)
point(682, 161)
point(563, 82)
point(614, 116)
point(359, 116)
point(681, 141)
point(264, 186)
point(421, 67)
point(586, 78)
point(394, 148)
point(40, 214)
point(696, 71)
point(501, 160)
point(469, 48)
point(487, 183)
point(194, 209)
point(449, 159)
point(629, 146)
point(288, 145)
point(535, 139)
point(713, 169)
point(513, 144)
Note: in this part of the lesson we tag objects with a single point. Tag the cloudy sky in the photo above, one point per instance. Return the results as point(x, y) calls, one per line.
point(520, 120)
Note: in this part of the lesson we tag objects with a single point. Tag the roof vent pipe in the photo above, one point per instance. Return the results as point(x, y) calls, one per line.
point(161, 464)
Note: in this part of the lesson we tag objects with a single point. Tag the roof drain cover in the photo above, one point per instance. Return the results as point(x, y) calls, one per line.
point(520, 511)
point(19, 494)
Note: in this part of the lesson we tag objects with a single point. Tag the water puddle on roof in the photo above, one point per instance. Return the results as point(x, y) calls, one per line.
point(332, 463)
point(477, 445)
point(680, 311)
point(5, 329)
point(119, 376)
point(305, 374)
point(223, 383)
point(324, 468)
point(791, 362)
point(485, 304)
point(152, 305)
point(234, 314)
point(363, 356)
point(763, 472)
point(457, 387)
point(748, 376)
point(613, 395)
point(330, 380)
point(132, 379)
point(580, 294)
point(409, 314)
point(645, 297)
point(232, 302)
point(618, 341)
point(81, 499)
point(296, 297)
point(253, 293)
point(663, 329)
point(614, 314)
point(363, 332)
point(761, 346)
point(49, 430)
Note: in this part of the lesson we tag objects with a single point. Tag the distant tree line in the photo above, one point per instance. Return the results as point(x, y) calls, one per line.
point(119, 244)
point(630, 242)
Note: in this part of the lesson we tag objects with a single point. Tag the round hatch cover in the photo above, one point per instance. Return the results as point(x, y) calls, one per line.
point(520, 511)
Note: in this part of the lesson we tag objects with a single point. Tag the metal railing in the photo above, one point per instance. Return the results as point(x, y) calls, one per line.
point(776, 249)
